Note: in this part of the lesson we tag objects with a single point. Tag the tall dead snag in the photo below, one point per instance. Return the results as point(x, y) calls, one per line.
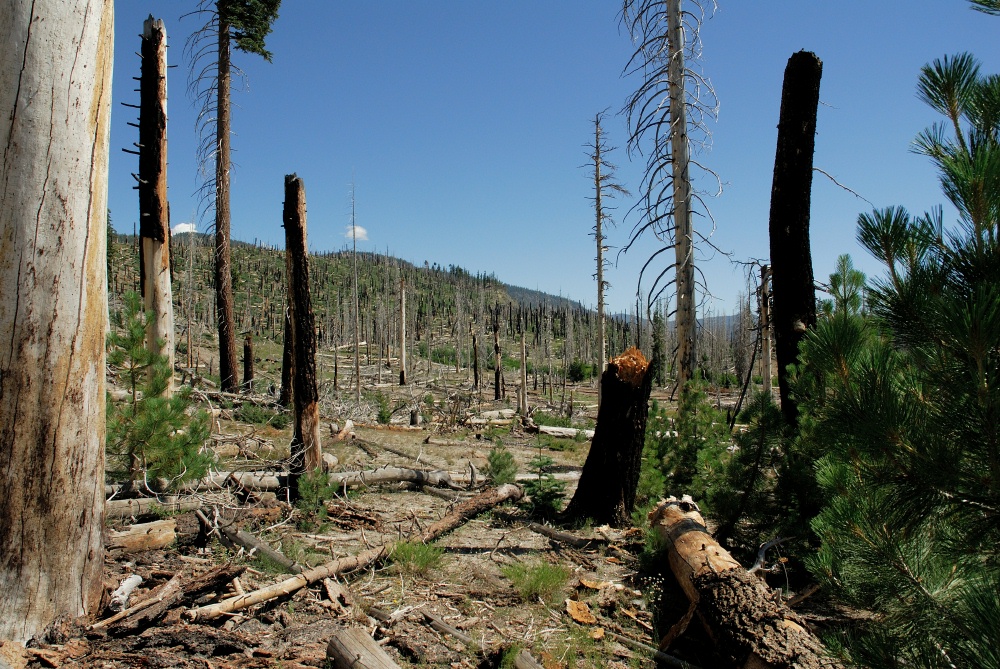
point(154, 210)
point(402, 332)
point(606, 492)
point(497, 363)
point(55, 103)
point(475, 360)
point(248, 363)
point(306, 455)
point(287, 363)
point(794, 309)
point(748, 627)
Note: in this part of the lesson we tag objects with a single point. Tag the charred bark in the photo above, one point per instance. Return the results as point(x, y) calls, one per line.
point(154, 210)
point(606, 492)
point(794, 309)
point(248, 363)
point(288, 363)
point(306, 455)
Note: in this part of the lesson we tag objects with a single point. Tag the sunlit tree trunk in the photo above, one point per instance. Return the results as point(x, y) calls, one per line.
point(684, 241)
point(154, 209)
point(55, 97)
point(223, 254)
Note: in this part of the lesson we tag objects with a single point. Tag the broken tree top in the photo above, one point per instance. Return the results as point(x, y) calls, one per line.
point(631, 366)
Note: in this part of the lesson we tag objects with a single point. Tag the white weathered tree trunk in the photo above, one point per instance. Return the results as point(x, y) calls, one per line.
point(684, 241)
point(154, 210)
point(55, 103)
point(402, 332)
point(602, 343)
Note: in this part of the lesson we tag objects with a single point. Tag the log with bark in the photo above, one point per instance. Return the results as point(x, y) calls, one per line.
point(606, 492)
point(748, 627)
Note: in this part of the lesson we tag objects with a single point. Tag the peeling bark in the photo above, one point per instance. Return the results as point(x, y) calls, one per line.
point(55, 100)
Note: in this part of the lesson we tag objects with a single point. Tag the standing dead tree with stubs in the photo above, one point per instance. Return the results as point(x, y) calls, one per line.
point(306, 453)
point(154, 209)
point(605, 188)
point(55, 105)
point(610, 477)
point(245, 24)
point(673, 101)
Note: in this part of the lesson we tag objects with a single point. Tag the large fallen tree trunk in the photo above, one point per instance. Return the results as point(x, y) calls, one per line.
point(142, 537)
point(749, 628)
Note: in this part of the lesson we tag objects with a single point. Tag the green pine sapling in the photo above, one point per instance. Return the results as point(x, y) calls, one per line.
point(150, 435)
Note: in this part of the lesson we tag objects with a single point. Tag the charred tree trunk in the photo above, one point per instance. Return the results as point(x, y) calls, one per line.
point(749, 629)
point(55, 104)
point(765, 327)
point(154, 210)
point(497, 363)
point(794, 309)
point(306, 453)
point(475, 361)
point(223, 256)
point(248, 363)
point(402, 332)
point(287, 363)
point(606, 492)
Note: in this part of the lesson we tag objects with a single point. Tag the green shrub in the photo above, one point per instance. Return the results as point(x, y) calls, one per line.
point(150, 435)
point(500, 465)
point(538, 581)
point(579, 370)
point(545, 492)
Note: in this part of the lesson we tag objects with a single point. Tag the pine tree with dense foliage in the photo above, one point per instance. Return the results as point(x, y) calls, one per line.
point(907, 407)
point(150, 436)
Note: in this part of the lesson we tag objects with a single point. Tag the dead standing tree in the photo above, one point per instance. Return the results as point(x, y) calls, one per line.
point(55, 98)
point(794, 309)
point(247, 23)
point(672, 100)
point(605, 187)
point(154, 209)
point(606, 492)
point(306, 453)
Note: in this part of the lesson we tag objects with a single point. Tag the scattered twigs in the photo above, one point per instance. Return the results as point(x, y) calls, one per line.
point(763, 552)
point(288, 586)
point(522, 661)
point(557, 535)
point(658, 655)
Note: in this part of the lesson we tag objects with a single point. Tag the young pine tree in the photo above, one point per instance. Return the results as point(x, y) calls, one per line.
point(150, 436)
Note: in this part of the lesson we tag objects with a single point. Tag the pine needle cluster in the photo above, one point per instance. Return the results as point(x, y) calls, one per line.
point(152, 437)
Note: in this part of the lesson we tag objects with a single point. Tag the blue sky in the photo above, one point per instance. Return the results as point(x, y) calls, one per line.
point(463, 125)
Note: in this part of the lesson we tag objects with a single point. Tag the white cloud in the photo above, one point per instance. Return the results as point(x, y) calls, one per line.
point(350, 231)
point(181, 228)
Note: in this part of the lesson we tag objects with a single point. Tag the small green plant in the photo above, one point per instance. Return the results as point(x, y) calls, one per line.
point(500, 465)
point(545, 492)
point(541, 580)
point(384, 412)
point(314, 489)
point(151, 435)
point(415, 559)
point(258, 415)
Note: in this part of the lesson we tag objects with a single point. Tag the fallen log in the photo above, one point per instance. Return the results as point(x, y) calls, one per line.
point(142, 537)
point(569, 432)
point(393, 475)
point(749, 628)
point(255, 545)
point(556, 535)
point(127, 508)
point(354, 648)
point(471, 508)
point(288, 586)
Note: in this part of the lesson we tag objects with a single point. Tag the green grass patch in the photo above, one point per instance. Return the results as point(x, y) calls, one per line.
point(415, 559)
point(541, 580)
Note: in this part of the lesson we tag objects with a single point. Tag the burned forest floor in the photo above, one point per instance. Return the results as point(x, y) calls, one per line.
point(498, 590)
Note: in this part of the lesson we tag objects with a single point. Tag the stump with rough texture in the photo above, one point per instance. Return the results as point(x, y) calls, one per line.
point(606, 492)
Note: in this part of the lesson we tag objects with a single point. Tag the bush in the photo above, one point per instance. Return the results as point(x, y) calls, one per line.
point(545, 492)
point(150, 435)
point(578, 371)
point(500, 465)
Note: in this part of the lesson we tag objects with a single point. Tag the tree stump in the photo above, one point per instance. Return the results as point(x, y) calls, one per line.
point(606, 492)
